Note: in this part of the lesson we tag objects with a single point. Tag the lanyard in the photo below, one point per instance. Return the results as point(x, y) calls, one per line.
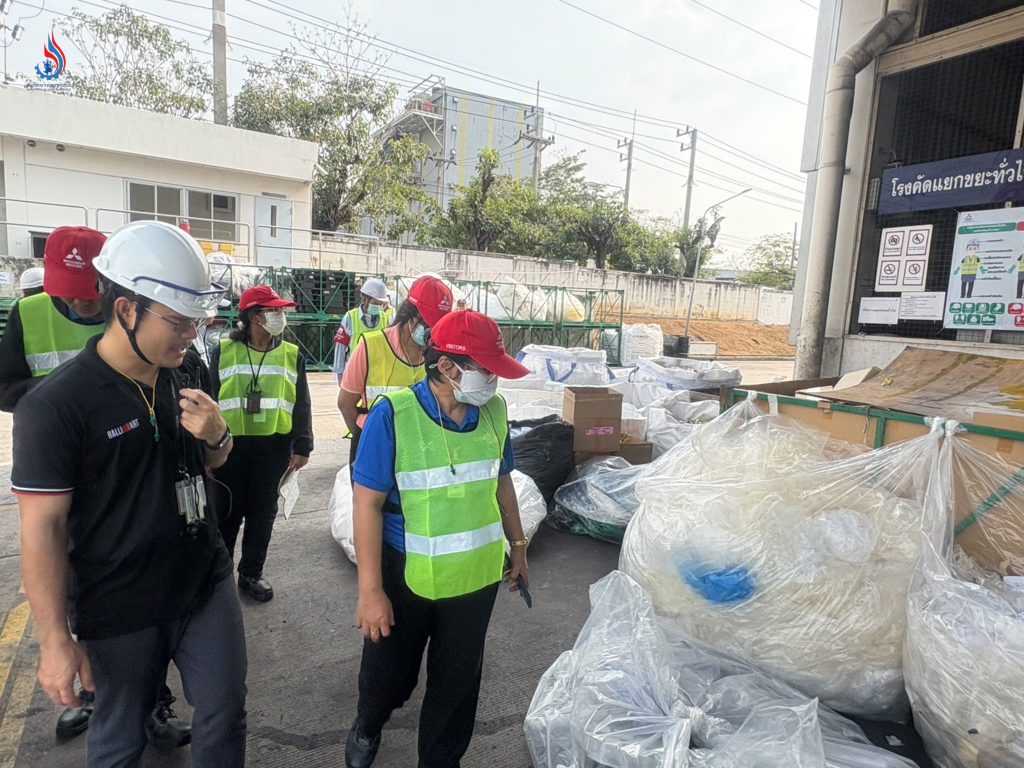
point(254, 385)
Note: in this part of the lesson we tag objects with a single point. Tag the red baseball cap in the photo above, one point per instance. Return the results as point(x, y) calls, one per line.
point(262, 296)
point(432, 298)
point(67, 257)
point(478, 337)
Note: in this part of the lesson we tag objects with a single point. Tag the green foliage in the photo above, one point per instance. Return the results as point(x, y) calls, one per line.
point(771, 263)
point(343, 109)
point(122, 58)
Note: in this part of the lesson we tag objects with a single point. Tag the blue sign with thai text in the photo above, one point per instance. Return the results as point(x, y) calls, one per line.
point(995, 177)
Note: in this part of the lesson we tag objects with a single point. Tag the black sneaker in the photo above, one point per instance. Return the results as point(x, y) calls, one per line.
point(257, 588)
point(361, 747)
point(75, 720)
point(165, 729)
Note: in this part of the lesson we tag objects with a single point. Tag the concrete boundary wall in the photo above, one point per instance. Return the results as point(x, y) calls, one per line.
point(644, 294)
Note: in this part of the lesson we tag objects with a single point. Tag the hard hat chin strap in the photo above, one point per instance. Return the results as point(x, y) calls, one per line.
point(130, 333)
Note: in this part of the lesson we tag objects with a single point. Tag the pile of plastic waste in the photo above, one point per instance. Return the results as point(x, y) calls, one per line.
point(756, 540)
point(636, 692)
point(964, 652)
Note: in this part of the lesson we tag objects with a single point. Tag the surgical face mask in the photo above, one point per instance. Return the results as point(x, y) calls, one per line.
point(275, 323)
point(373, 310)
point(475, 387)
point(419, 335)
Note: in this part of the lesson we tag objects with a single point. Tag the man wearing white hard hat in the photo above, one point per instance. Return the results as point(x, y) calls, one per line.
point(31, 282)
point(119, 543)
point(374, 312)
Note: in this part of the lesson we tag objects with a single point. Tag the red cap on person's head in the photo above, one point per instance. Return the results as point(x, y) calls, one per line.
point(67, 257)
point(478, 337)
point(262, 296)
point(432, 299)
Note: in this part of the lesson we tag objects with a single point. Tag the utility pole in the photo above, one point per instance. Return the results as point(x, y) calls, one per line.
point(536, 141)
point(691, 132)
point(441, 163)
point(628, 157)
point(220, 63)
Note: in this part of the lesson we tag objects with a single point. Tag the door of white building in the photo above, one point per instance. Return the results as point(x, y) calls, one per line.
point(273, 231)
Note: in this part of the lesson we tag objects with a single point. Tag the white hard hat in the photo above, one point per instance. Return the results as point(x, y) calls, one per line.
point(374, 288)
point(163, 263)
point(31, 278)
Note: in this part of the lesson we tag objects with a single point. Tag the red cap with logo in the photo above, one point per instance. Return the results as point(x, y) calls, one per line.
point(68, 256)
point(478, 337)
point(432, 299)
point(262, 296)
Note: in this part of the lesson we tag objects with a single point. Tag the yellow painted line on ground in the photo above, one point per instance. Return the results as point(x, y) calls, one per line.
point(10, 638)
point(12, 720)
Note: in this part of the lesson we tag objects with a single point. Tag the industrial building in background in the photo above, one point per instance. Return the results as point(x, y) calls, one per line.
point(913, 147)
point(457, 125)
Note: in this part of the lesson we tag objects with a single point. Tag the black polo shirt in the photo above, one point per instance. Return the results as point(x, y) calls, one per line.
point(85, 430)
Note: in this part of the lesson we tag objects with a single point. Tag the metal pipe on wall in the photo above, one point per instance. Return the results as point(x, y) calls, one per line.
point(838, 112)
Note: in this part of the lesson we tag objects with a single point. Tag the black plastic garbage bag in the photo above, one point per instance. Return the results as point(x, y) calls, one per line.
point(545, 453)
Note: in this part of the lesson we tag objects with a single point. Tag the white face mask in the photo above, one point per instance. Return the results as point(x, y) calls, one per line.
point(475, 387)
point(275, 322)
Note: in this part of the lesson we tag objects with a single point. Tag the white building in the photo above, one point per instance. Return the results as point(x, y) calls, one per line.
point(69, 161)
point(939, 97)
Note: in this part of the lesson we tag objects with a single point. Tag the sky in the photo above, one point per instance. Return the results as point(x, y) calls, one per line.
point(750, 133)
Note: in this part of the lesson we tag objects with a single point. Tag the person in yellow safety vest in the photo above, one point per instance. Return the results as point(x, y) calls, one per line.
point(260, 382)
point(373, 313)
point(31, 281)
point(393, 358)
point(434, 505)
point(969, 266)
point(50, 328)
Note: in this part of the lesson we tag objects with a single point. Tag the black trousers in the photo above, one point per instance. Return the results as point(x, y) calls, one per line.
point(252, 473)
point(208, 648)
point(455, 630)
point(966, 289)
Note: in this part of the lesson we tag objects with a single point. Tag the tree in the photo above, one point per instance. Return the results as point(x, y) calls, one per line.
point(125, 59)
point(466, 223)
point(697, 242)
point(315, 91)
point(648, 247)
point(771, 263)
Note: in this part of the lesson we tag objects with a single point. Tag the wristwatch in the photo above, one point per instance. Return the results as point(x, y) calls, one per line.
point(222, 444)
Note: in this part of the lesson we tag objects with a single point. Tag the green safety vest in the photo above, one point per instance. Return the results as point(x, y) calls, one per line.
point(359, 327)
point(385, 372)
point(454, 542)
point(49, 337)
point(971, 264)
point(277, 380)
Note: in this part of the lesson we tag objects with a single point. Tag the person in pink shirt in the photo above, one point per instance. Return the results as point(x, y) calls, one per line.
point(391, 358)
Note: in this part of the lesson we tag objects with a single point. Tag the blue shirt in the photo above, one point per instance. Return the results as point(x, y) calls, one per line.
point(374, 467)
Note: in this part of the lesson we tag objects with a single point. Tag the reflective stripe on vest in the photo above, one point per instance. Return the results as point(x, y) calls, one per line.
point(277, 383)
point(360, 329)
point(50, 338)
point(385, 372)
point(449, 497)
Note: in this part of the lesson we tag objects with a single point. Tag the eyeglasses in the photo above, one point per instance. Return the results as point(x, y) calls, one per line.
point(182, 325)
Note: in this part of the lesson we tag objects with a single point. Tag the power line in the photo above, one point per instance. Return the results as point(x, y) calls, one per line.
point(683, 53)
point(752, 29)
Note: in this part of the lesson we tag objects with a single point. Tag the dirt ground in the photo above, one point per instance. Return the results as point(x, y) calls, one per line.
point(735, 338)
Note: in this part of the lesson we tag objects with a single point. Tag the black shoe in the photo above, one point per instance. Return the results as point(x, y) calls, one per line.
point(164, 729)
point(75, 720)
point(361, 747)
point(258, 588)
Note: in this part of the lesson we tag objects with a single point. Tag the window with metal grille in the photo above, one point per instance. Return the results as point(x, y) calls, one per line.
point(965, 106)
point(945, 14)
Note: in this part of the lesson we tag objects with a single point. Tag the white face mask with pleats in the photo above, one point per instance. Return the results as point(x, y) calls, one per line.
point(475, 387)
point(275, 322)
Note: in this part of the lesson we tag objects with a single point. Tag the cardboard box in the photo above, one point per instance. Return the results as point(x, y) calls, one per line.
point(632, 450)
point(596, 416)
point(636, 451)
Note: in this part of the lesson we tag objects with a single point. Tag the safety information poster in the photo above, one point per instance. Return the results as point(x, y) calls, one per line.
point(986, 280)
point(903, 259)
